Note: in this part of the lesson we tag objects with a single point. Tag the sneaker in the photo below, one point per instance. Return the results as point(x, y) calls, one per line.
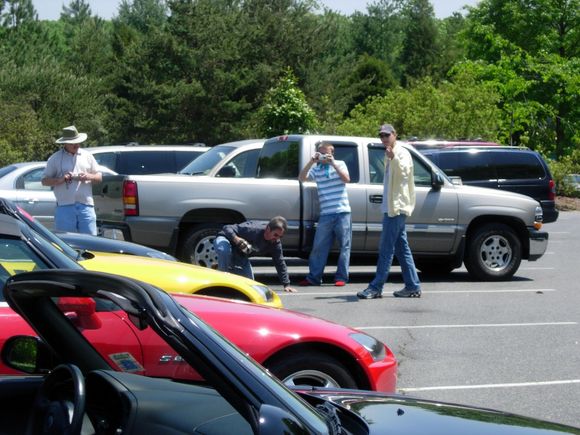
point(339, 283)
point(406, 293)
point(304, 283)
point(369, 293)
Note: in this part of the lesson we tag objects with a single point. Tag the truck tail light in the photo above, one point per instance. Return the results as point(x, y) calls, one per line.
point(552, 191)
point(130, 198)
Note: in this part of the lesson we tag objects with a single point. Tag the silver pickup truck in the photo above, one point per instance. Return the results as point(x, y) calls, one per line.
point(488, 230)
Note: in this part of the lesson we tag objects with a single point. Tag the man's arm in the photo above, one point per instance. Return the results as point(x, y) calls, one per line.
point(341, 169)
point(281, 268)
point(303, 176)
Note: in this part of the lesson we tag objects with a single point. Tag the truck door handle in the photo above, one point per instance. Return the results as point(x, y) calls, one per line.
point(377, 199)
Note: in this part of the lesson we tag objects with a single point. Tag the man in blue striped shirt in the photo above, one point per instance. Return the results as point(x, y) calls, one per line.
point(335, 222)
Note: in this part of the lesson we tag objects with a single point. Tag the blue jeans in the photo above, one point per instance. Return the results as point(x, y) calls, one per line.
point(331, 226)
point(76, 218)
point(230, 260)
point(394, 242)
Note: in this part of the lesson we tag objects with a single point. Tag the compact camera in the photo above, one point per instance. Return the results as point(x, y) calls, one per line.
point(323, 158)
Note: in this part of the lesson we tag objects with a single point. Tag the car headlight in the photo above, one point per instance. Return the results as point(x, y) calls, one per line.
point(265, 291)
point(374, 346)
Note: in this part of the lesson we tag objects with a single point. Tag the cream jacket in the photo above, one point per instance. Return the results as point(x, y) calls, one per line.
point(401, 183)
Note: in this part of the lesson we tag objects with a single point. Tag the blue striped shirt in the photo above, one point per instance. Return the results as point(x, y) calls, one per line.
point(332, 194)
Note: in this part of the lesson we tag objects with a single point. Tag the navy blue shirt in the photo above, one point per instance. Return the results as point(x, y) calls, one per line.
point(253, 232)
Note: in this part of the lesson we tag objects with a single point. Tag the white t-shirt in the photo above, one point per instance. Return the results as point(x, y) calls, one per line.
point(62, 162)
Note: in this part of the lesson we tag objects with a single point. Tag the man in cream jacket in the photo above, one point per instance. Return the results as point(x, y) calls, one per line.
point(398, 203)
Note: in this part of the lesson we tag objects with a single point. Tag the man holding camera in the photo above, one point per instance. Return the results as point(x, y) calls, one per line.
point(71, 172)
point(235, 243)
point(335, 221)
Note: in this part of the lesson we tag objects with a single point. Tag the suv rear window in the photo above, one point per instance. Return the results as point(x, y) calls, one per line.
point(147, 161)
point(476, 165)
point(516, 166)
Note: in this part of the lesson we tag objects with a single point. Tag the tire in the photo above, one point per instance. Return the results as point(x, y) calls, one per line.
point(311, 369)
point(494, 253)
point(198, 247)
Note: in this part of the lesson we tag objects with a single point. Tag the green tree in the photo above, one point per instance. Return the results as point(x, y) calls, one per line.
point(379, 32)
point(534, 46)
point(420, 50)
point(18, 12)
point(464, 108)
point(143, 14)
point(21, 136)
point(285, 110)
point(76, 12)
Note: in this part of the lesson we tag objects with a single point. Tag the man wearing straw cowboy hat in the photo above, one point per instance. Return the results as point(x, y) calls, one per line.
point(71, 172)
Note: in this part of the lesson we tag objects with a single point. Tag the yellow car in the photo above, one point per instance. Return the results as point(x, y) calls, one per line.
point(177, 277)
point(171, 276)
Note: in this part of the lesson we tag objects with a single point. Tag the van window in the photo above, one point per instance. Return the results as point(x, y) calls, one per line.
point(470, 166)
point(183, 158)
point(146, 162)
point(109, 160)
point(514, 166)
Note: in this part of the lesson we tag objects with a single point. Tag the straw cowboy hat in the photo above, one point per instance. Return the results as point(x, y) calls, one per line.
point(71, 135)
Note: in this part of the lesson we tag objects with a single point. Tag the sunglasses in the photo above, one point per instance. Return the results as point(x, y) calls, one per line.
point(384, 134)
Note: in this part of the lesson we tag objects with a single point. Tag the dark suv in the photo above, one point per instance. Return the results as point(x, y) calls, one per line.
point(515, 169)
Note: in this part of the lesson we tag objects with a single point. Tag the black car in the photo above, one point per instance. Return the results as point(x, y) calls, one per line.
point(519, 170)
point(77, 391)
point(81, 242)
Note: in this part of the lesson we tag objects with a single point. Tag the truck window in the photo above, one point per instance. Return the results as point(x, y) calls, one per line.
point(247, 163)
point(279, 159)
point(421, 172)
point(349, 155)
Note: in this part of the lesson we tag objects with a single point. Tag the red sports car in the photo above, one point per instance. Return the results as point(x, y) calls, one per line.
point(297, 348)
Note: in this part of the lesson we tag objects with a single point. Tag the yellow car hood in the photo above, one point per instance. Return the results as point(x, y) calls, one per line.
point(176, 277)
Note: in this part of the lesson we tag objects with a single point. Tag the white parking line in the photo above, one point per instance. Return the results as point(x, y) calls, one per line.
point(430, 292)
point(480, 325)
point(473, 387)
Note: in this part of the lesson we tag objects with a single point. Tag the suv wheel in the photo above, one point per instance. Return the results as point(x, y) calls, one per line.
point(494, 253)
point(198, 246)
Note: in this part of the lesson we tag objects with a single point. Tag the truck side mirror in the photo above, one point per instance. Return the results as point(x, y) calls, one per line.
point(436, 180)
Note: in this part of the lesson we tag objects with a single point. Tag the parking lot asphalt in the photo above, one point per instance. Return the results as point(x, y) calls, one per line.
point(511, 345)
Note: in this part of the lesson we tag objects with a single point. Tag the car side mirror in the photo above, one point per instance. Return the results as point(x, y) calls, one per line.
point(436, 180)
point(275, 420)
point(81, 311)
point(227, 172)
point(28, 354)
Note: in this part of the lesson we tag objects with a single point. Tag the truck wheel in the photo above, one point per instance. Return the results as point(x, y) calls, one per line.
point(198, 246)
point(311, 369)
point(494, 253)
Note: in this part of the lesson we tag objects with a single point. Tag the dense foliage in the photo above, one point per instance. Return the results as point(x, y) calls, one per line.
point(183, 71)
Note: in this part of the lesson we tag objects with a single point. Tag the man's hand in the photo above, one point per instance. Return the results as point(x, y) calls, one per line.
point(244, 246)
point(290, 289)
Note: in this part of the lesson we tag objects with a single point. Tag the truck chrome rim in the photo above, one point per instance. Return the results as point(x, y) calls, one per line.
point(204, 253)
point(312, 378)
point(496, 252)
